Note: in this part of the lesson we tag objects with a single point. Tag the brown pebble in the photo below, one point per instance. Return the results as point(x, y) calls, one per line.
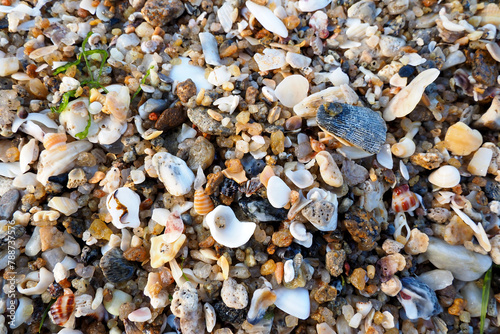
point(251, 94)
point(363, 228)
point(185, 90)
point(138, 254)
point(358, 278)
point(160, 12)
point(171, 118)
point(325, 294)
point(227, 48)
point(208, 242)
point(335, 262)
point(282, 238)
point(51, 237)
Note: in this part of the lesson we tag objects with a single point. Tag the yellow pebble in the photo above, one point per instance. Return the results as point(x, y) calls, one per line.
point(228, 86)
point(178, 42)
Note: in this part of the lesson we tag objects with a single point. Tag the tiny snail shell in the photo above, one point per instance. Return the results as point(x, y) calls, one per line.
point(61, 311)
point(55, 141)
point(404, 149)
point(202, 202)
point(403, 199)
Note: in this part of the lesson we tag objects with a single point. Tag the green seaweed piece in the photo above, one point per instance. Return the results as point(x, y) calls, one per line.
point(84, 133)
point(485, 298)
point(143, 80)
point(45, 314)
point(64, 101)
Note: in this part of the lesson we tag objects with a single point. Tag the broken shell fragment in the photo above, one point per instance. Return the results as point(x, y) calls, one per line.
point(295, 302)
point(226, 229)
point(261, 300)
point(43, 278)
point(329, 170)
point(123, 206)
point(418, 300)
point(292, 90)
point(267, 19)
point(353, 126)
point(115, 267)
point(445, 177)
point(480, 162)
point(174, 173)
point(278, 193)
point(407, 99)
point(302, 178)
point(64, 205)
point(460, 139)
point(491, 118)
point(162, 251)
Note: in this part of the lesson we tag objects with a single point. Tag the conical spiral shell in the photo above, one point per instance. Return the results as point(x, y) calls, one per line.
point(202, 202)
point(61, 310)
point(54, 141)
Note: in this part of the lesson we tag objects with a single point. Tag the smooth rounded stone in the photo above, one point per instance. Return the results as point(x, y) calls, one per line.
point(201, 154)
point(8, 66)
point(161, 12)
point(390, 46)
point(252, 166)
point(267, 19)
point(152, 105)
point(8, 203)
point(71, 246)
point(464, 264)
point(259, 210)
point(207, 124)
point(115, 267)
point(292, 90)
point(418, 300)
point(126, 41)
point(363, 10)
point(119, 298)
point(445, 177)
point(353, 173)
point(480, 162)
point(397, 6)
point(295, 302)
point(174, 173)
point(171, 118)
point(53, 257)
point(437, 279)
point(278, 193)
point(473, 295)
point(492, 190)
point(183, 71)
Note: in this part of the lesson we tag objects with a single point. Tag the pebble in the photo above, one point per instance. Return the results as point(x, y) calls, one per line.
point(335, 262)
point(406, 71)
point(201, 154)
point(8, 203)
point(161, 12)
point(484, 68)
point(353, 173)
point(363, 228)
point(234, 295)
point(208, 125)
point(115, 267)
point(325, 294)
point(171, 118)
point(320, 214)
point(358, 278)
point(228, 314)
point(363, 10)
point(282, 238)
point(260, 210)
point(119, 298)
point(185, 90)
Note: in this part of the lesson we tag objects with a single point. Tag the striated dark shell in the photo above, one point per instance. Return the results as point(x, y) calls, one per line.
point(418, 299)
point(492, 190)
point(358, 126)
point(260, 210)
point(251, 186)
point(115, 267)
point(230, 315)
point(229, 187)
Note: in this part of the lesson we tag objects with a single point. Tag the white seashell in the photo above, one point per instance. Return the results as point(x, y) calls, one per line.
point(478, 229)
point(184, 71)
point(186, 133)
point(278, 193)
point(21, 76)
point(404, 148)
point(57, 162)
point(87, 5)
point(302, 178)
point(491, 118)
point(69, 331)
point(228, 103)
point(25, 180)
point(397, 81)
point(158, 300)
point(219, 76)
point(75, 116)
point(294, 302)
point(267, 19)
point(37, 118)
point(68, 83)
point(226, 229)
point(64, 205)
point(288, 271)
point(338, 77)
point(140, 315)
point(353, 153)
point(306, 243)
point(480, 162)
point(384, 157)
point(297, 60)
point(312, 5)
point(356, 30)
point(160, 216)
point(445, 177)
point(60, 272)
point(34, 244)
point(227, 15)
point(494, 50)
point(437, 279)
point(174, 173)
point(292, 90)
point(308, 106)
point(210, 50)
point(271, 59)
point(210, 317)
point(10, 169)
point(407, 99)
point(44, 279)
point(447, 24)
point(298, 231)
point(454, 59)
point(262, 298)
point(23, 313)
point(123, 206)
point(28, 154)
point(404, 170)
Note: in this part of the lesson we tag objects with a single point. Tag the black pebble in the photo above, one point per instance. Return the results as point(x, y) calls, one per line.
point(230, 315)
point(115, 267)
point(406, 71)
point(252, 166)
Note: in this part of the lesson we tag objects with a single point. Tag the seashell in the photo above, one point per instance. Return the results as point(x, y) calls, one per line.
point(270, 59)
point(404, 148)
point(64, 205)
point(298, 205)
point(115, 267)
point(174, 227)
point(22, 315)
point(297, 60)
point(227, 15)
point(123, 206)
point(44, 279)
point(224, 265)
point(260, 210)
point(353, 126)
point(278, 193)
point(404, 200)
point(210, 317)
point(163, 251)
point(447, 24)
point(140, 315)
point(445, 177)
point(261, 300)
point(437, 279)
point(228, 103)
point(298, 231)
point(323, 214)
point(62, 310)
point(35, 119)
point(57, 162)
point(202, 202)
point(312, 5)
point(491, 118)
point(209, 46)
point(302, 178)
point(478, 229)
point(494, 50)
point(384, 157)
point(226, 229)
point(251, 186)
point(319, 23)
point(480, 163)
point(174, 173)
point(266, 174)
point(407, 99)
point(267, 19)
point(219, 75)
point(404, 170)
point(55, 141)
point(454, 59)
point(159, 299)
point(75, 116)
point(28, 154)
point(418, 300)
point(490, 15)
point(308, 107)
point(295, 302)
point(183, 71)
point(392, 286)
point(329, 170)
point(292, 90)
point(460, 139)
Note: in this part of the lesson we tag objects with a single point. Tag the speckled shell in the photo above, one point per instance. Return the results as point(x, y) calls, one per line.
point(354, 126)
point(61, 310)
point(403, 200)
point(202, 202)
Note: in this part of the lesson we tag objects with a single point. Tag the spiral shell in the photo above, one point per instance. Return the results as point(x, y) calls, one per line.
point(202, 202)
point(55, 141)
point(403, 200)
point(61, 311)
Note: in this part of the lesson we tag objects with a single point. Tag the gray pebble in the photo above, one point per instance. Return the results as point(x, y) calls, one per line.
point(8, 203)
point(207, 124)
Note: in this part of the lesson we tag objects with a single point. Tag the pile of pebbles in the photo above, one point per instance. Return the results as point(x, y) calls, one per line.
point(256, 166)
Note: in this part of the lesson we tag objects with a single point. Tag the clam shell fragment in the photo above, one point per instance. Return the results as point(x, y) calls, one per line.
point(123, 205)
point(353, 126)
point(226, 229)
point(174, 173)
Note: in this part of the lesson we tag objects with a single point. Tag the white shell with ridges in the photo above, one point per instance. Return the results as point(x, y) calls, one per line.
point(226, 229)
point(445, 177)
